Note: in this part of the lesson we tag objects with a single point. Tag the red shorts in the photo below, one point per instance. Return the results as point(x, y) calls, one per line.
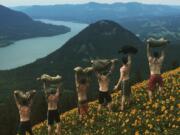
point(83, 108)
point(155, 80)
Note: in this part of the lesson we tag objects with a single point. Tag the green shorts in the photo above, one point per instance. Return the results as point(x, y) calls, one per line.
point(126, 88)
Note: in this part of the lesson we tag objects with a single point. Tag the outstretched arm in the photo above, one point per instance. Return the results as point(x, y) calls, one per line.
point(76, 80)
point(148, 51)
point(58, 90)
point(44, 85)
point(98, 75)
point(119, 81)
point(162, 54)
point(16, 101)
point(112, 68)
point(31, 100)
point(129, 59)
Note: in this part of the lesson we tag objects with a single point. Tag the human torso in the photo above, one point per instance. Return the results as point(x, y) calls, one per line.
point(52, 102)
point(155, 66)
point(82, 91)
point(104, 83)
point(125, 70)
point(24, 112)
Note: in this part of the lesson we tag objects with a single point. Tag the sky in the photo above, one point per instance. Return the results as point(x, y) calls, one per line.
point(47, 2)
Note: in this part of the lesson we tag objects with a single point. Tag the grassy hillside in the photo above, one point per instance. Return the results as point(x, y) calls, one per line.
point(143, 117)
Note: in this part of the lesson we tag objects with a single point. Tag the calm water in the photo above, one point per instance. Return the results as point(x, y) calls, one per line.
point(26, 51)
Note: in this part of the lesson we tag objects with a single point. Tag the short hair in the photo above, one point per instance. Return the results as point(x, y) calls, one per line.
point(24, 102)
point(104, 72)
point(156, 54)
point(124, 60)
point(83, 81)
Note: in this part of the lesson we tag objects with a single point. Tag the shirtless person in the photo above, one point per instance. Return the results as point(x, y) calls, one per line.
point(124, 80)
point(53, 114)
point(104, 81)
point(82, 86)
point(24, 112)
point(155, 65)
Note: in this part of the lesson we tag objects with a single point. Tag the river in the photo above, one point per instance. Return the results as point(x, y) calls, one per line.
point(26, 51)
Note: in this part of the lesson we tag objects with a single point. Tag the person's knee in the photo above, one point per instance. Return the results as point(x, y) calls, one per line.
point(58, 128)
point(49, 128)
point(58, 125)
point(109, 104)
point(100, 106)
point(123, 98)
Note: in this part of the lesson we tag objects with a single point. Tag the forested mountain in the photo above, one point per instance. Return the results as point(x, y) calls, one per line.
point(17, 25)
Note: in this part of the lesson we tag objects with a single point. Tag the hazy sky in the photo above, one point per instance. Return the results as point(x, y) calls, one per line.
point(45, 2)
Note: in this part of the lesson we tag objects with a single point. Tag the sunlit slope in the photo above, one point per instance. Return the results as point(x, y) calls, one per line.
point(161, 116)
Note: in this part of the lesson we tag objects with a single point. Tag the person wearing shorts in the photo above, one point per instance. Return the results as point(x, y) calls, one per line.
point(104, 81)
point(82, 108)
point(124, 81)
point(53, 113)
point(82, 87)
point(53, 117)
point(104, 97)
point(24, 112)
point(25, 126)
point(155, 65)
point(126, 88)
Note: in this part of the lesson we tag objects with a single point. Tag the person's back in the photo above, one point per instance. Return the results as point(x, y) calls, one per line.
point(82, 91)
point(155, 65)
point(24, 108)
point(24, 112)
point(125, 70)
point(124, 80)
point(104, 83)
point(82, 86)
point(53, 112)
point(52, 102)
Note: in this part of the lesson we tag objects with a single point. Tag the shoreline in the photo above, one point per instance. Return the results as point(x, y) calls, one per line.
point(8, 43)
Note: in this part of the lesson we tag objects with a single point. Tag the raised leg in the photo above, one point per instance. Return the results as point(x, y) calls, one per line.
point(109, 106)
point(122, 103)
point(150, 95)
point(99, 107)
point(58, 128)
point(49, 130)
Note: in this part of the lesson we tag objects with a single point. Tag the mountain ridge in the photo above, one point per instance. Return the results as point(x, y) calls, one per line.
point(112, 11)
point(141, 19)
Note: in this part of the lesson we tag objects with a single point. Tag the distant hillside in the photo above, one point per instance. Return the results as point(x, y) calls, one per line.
point(143, 117)
point(162, 26)
point(142, 19)
point(92, 12)
point(17, 25)
point(99, 40)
